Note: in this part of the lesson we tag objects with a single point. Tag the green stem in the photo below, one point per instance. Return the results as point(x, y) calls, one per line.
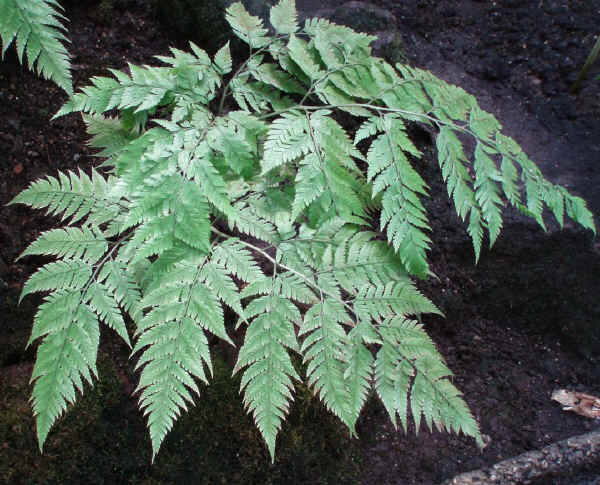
point(287, 268)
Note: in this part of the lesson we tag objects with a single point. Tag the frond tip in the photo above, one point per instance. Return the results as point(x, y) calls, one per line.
point(67, 354)
point(36, 28)
point(267, 380)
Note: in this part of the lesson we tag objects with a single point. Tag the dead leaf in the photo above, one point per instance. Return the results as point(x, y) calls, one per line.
point(578, 402)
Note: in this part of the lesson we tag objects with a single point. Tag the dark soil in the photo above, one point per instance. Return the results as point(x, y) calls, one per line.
point(518, 325)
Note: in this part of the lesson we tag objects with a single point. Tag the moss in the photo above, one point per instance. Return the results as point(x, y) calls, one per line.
point(103, 439)
point(223, 445)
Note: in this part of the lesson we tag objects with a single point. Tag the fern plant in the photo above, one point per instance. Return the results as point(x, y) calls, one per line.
point(37, 30)
point(243, 190)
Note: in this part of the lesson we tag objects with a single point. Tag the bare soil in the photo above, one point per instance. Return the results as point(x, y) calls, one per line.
point(519, 324)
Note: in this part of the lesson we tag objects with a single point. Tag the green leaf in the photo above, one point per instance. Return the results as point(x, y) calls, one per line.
point(37, 29)
point(267, 380)
point(487, 192)
point(154, 242)
point(192, 224)
point(238, 260)
point(175, 352)
point(306, 60)
point(270, 74)
point(247, 27)
point(70, 242)
point(67, 353)
point(71, 196)
point(402, 212)
point(359, 370)
point(223, 60)
point(324, 350)
point(407, 360)
point(287, 140)
point(104, 304)
point(283, 17)
point(58, 275)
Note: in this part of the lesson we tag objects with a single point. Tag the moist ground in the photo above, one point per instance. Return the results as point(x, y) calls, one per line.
point(518, 325)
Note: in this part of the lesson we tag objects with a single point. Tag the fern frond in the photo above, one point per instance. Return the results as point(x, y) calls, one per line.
point(108, 133)
point(345, 38)
point(393, 375)
point(103, 303)
point(125, 290)
point(247, 221)
point(305, 58)
point(216, 277)
point(270, 74)
point(538, 191)
point(37, 29)
point(238, 260)
point(152, 239)
point(396, 298)
point(275, 206)
point(258, 96)
point(67, 353)
point(407, 360)
point(238, 152)
point(577, 210)
point(487, 191)
point(267, 380)
point(287, 285)
point(282, 171)
point(402, 212)
point(74, 196)
point(71, 243)
point(247, 27)
point(223, 61)
point(176, 352)
point(191, 217)
point(359, 369)
point(324, 350)
point(283, 17)
point(181, 308)
point(310, 184)
point(209, 179)
point(73, 274)
point(328, 174)
point(452, 161)
point(287, 140)
point(190, 77)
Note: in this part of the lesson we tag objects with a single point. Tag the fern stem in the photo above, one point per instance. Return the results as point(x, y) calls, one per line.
point(324, 78)
point(100, 264)
point(425, 116)
point(239, 72)
point(288, 268)
point(60, 353)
